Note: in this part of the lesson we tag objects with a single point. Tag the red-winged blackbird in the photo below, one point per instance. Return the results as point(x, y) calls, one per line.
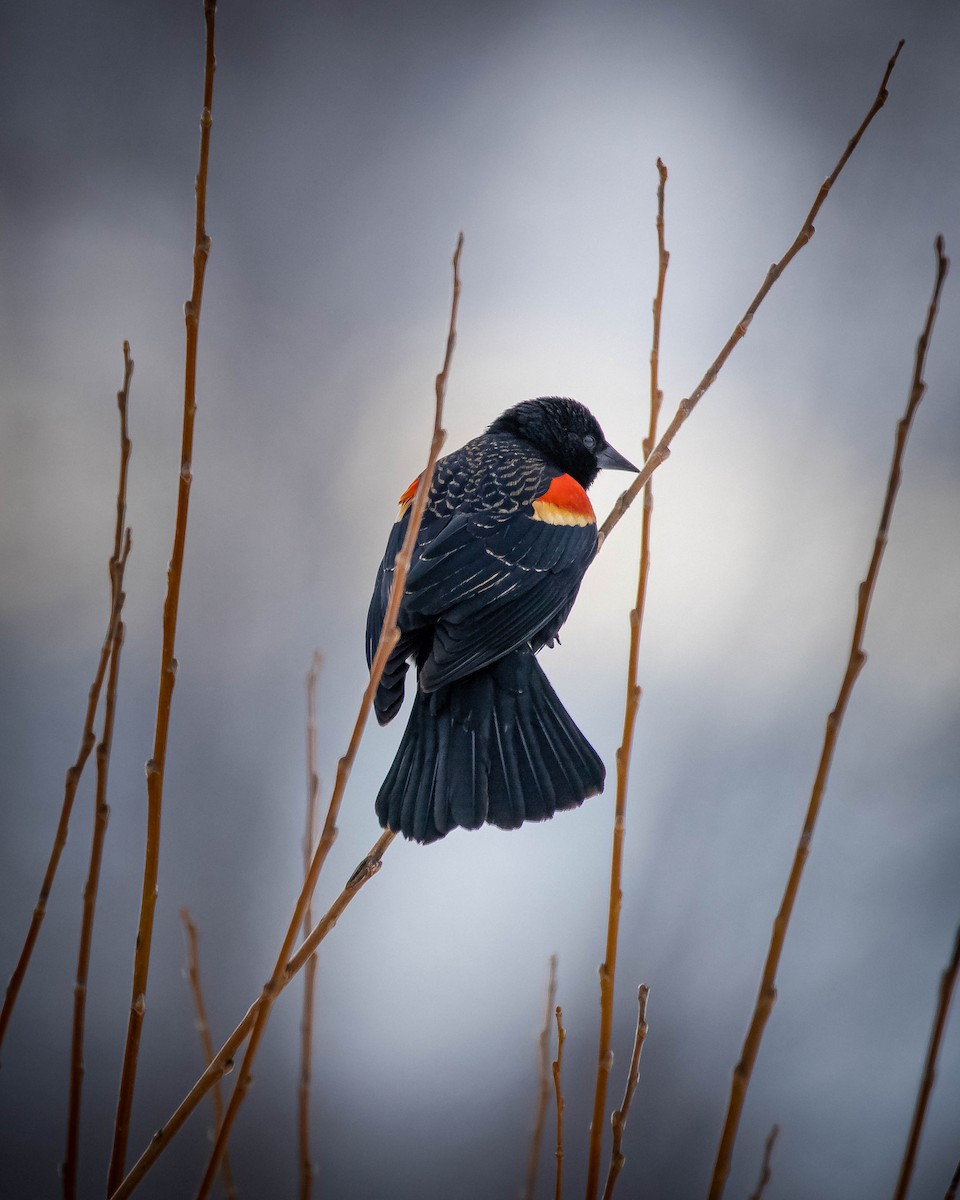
point(507, 535)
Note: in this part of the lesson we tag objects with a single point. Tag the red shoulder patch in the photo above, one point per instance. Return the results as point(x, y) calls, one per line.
point(411, 491)
point(407, 498)
point(564, 503)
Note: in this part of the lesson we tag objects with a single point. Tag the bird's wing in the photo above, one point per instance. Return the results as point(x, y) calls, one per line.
point(381, 589)
point(497, 565)
point(491, 583)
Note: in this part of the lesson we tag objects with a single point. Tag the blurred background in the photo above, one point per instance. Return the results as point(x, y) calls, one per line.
point(350, 143)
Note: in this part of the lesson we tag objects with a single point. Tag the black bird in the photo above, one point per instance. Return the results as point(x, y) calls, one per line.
point(507, 535)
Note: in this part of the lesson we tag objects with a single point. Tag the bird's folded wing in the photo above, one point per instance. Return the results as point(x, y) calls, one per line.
point(381, 589)
point(491, 584)
point(432, 529)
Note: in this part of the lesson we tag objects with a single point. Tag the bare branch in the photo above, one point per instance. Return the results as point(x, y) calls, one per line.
point(310, 974)
point(619, 1118)
point(686, 407)
point(203, 1028)
point(88, 737)
point(765, 1168)
point(767, 993)
point(608, 968)
point(168, 662)
point(388, 639)
point(947, 983)
point(222, 1062)
point(543, 1094)
point(118, 562)
point(557, 1067)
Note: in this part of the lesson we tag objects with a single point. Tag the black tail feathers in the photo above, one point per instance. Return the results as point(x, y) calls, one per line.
point(497, 746)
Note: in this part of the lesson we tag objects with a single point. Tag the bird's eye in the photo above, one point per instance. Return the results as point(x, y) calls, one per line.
point(589, 441)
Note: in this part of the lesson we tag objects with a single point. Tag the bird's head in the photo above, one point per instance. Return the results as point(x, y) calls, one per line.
point(566, 432)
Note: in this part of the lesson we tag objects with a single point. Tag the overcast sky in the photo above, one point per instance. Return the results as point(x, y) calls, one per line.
point(350, 144)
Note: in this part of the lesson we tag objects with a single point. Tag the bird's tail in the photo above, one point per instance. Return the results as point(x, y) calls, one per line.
point(497, 746)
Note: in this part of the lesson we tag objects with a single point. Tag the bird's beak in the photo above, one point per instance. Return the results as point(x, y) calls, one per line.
point(611, 460)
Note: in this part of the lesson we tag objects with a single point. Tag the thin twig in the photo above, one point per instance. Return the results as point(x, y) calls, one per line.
point(222, 1062)
point(117, 566)
point(310, 973)
point(765, 1169)
point(608, 967)
point(686, 406)
point(557, 1067)
point(168, 662)
point(767, 993)
point(619, 1118)
point(543, 1092)
point(88, 737)
point(947, 983)
point(954, 1187)
point(203, 1028)
point(367, 868)
point(388, 639)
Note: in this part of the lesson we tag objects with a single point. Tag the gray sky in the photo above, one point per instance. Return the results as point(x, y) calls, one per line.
point(350, 144)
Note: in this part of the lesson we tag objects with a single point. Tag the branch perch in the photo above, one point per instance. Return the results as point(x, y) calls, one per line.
point(954, 1186)
point(310, 974)
point(619, 1119)
point(686, 407)
point(203, 1028)
point(388, 639)
point(87, 738)
point(168, 662)
point(947, 983)
point(768, 992)
point(543, 1095)
point(608, 968)
point(223, 1061)
point(118, 563)
point(766, 1171)
point(557, 1067)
